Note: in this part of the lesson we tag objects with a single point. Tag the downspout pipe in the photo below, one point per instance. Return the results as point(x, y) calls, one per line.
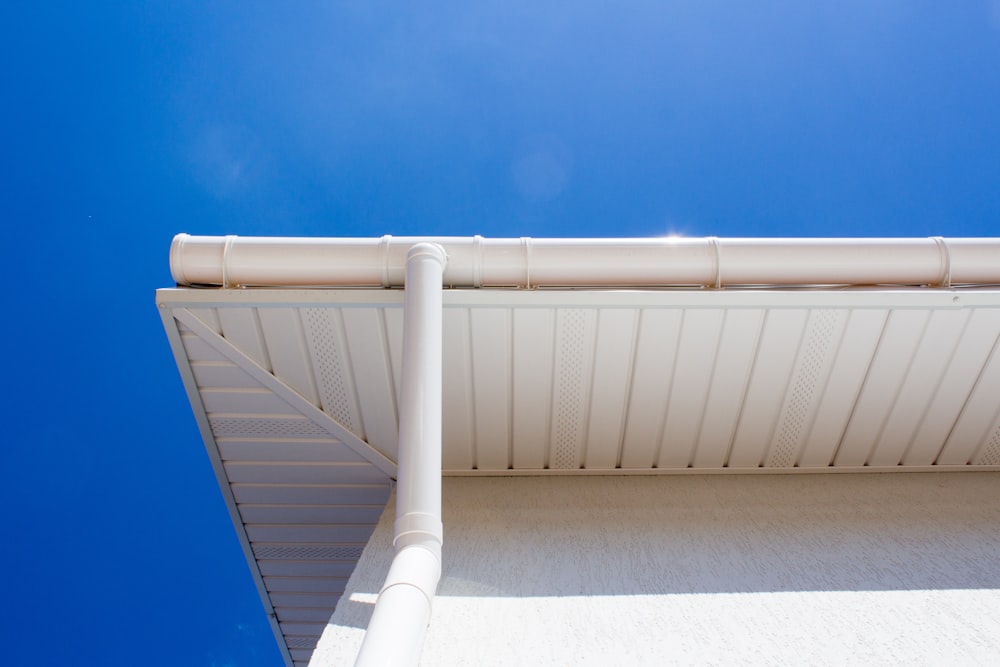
point(231, 261)
point(395, 633)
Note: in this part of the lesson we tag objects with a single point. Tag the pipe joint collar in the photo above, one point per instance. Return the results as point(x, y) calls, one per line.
point(177, 259)
point(431, 250)
point(417, 567)
point(419, 529)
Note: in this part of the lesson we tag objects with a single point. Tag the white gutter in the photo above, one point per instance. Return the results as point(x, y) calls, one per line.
point(231, 261)
point(396, 631)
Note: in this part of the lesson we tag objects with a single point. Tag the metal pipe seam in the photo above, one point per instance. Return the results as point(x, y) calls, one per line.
point(415, 566)
point(395, 632)
point(945, 261)
point(419, 528)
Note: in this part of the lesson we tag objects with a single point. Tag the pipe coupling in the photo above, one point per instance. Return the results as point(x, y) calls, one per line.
point(421, 529)
point(424, 249)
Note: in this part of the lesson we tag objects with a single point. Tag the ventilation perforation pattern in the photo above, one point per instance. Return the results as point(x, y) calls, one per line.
point(308, 552)
point(822, 328)
point(250, 427)
point(991, 452)
point(572, 390)
point(326, 355)
point(293, 641)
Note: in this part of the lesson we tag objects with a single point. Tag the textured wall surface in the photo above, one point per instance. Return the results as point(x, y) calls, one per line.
point(723, 569)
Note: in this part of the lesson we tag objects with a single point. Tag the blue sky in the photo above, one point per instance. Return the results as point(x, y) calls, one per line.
point(125, 123)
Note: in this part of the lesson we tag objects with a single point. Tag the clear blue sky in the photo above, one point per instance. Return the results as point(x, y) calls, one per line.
point(126, 122)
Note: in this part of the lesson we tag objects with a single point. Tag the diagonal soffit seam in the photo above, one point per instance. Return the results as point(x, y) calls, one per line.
point(286, 393)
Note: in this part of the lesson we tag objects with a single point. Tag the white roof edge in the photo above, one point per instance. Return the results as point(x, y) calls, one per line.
point(212, 449)
point(340, 297)
point(475, 261)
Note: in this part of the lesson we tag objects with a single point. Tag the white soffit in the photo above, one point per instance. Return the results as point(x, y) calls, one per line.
point(304, 492)
point(617, 381)
point(296, 391)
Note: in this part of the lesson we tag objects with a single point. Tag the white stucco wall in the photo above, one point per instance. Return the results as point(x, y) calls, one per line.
point(723, 569)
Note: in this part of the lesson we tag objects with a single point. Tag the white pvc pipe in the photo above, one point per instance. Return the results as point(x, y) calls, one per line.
point(396, 631)
point(478, 262)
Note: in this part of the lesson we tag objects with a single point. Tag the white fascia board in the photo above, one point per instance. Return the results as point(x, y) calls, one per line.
point(583, 298)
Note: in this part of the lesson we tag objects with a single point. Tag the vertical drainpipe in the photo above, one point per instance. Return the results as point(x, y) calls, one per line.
point(395, 633)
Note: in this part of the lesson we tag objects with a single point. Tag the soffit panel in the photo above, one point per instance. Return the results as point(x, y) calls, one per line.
point(639, 380)
point(296, 392)
point(304, 502)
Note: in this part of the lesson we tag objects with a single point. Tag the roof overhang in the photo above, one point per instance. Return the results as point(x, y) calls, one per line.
point(571, 381)
point(296, 393)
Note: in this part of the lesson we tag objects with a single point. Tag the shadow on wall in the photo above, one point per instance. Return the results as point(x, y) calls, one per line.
point(721, 534)
point(674, 535)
